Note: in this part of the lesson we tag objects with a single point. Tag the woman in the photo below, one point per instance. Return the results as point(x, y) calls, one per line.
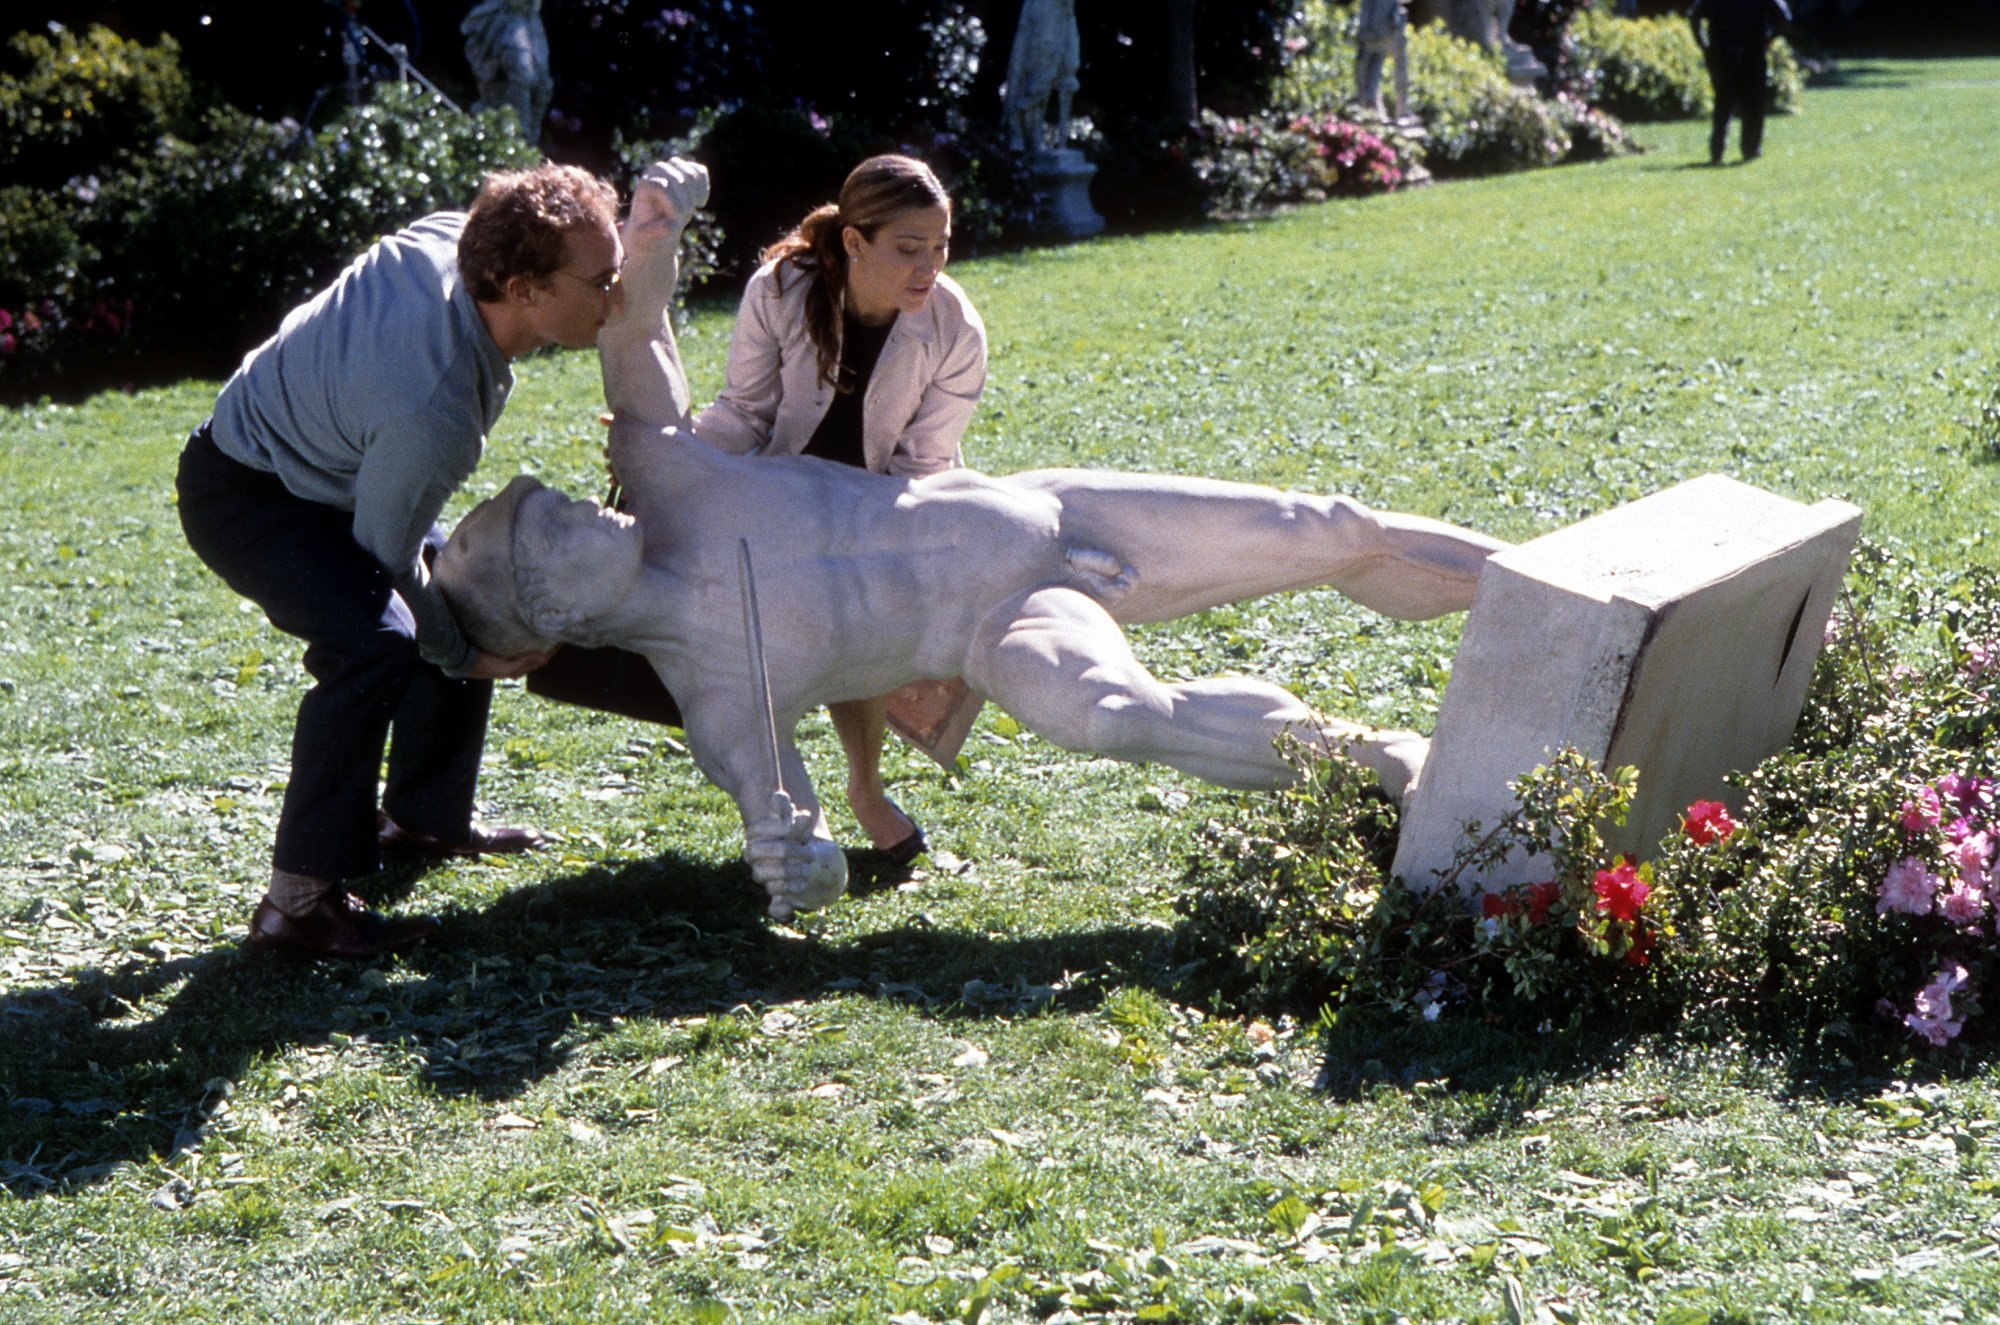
point(853, 345)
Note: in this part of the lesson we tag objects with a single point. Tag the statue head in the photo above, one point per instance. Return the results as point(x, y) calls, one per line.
point(529, 568)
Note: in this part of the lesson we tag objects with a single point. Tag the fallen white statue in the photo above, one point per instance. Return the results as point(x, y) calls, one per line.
point(1021, 585)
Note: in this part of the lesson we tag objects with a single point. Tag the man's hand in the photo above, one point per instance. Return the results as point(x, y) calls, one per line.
point(800, 872)
point(495, 667)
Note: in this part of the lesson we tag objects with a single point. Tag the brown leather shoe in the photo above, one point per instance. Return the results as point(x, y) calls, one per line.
point(391, 837)
point(340, 925)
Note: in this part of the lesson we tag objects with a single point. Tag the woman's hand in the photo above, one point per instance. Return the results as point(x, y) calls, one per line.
point(497, 667)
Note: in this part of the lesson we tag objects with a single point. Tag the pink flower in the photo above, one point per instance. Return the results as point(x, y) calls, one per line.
point(1972, 856)
point(1940, 1031)
point(1966, 792)
point(1620, 891)
point(6, 342)
point(1959, 829)
point(1931, 1017)
point(1963, 903)
point(1922, 813)
point(6, 319)
point(1907, 887)
point(1706, 822)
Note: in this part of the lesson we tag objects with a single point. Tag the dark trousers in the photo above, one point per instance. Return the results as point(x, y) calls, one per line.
point(1738, 75)
point(299, 562)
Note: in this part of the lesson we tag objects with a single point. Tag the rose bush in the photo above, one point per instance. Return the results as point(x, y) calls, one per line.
point(1845, 898)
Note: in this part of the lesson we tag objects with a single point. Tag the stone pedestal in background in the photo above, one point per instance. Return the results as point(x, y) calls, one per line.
point(1676, 634)
point(1062, 186)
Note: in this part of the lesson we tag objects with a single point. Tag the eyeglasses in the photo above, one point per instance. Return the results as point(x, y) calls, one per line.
point(603, 287)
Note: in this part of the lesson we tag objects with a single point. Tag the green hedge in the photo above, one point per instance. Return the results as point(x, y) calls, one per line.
point(68, 101)
point(1651, 69)
point(173, 246)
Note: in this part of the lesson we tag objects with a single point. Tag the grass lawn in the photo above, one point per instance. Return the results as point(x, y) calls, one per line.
point(614, 1092)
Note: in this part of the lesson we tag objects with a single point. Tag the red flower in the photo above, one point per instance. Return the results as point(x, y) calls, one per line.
point(1534, 898)
point(1707, 821)
point(1620, 891)
point(1640, 953)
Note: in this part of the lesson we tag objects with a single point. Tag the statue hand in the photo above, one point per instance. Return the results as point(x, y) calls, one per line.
point(801, 872)
point(666, 198)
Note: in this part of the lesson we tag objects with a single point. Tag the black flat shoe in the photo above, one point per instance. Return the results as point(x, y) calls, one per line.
point(902, 853)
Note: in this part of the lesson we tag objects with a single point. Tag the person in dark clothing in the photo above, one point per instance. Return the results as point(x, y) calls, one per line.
point(1734, 36)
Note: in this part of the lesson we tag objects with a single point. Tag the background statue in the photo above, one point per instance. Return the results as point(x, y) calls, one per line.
point(1484, 24)
point(1381, 34)
point(509, 52)
point(1043, 64)
point(866, 585)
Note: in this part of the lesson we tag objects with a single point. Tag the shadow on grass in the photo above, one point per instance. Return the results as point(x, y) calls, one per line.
point(1855, 75)
point(89, 1081)
point(1494, 1076)
point(495, 1003)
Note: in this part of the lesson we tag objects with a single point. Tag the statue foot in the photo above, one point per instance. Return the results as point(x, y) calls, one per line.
point(1397, 761)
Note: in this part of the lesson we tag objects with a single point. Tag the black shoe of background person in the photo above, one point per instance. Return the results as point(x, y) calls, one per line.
point(339, 925)
point(391, 838)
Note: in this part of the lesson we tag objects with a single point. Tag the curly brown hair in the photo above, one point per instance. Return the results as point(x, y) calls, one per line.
point(876, 192)
point(518, 224)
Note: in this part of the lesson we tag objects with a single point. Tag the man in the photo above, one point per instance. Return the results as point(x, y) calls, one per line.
point(314, 489)
point(1734, 36)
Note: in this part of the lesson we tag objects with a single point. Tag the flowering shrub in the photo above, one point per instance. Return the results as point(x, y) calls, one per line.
point(1257, 164)
point(1473, 118)
point(1352, 160)
point(1849, 903)
point(1479, 123)
point(1593, 134)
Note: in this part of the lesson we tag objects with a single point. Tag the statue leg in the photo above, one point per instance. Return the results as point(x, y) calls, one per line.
point(1193, 544)
point(1368, 78)
point(1056, 660)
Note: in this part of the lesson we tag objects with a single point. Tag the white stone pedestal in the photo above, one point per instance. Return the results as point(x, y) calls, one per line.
point(1676, 634)
point(1062, 184)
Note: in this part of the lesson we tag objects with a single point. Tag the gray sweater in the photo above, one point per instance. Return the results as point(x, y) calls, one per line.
point(376, 397)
